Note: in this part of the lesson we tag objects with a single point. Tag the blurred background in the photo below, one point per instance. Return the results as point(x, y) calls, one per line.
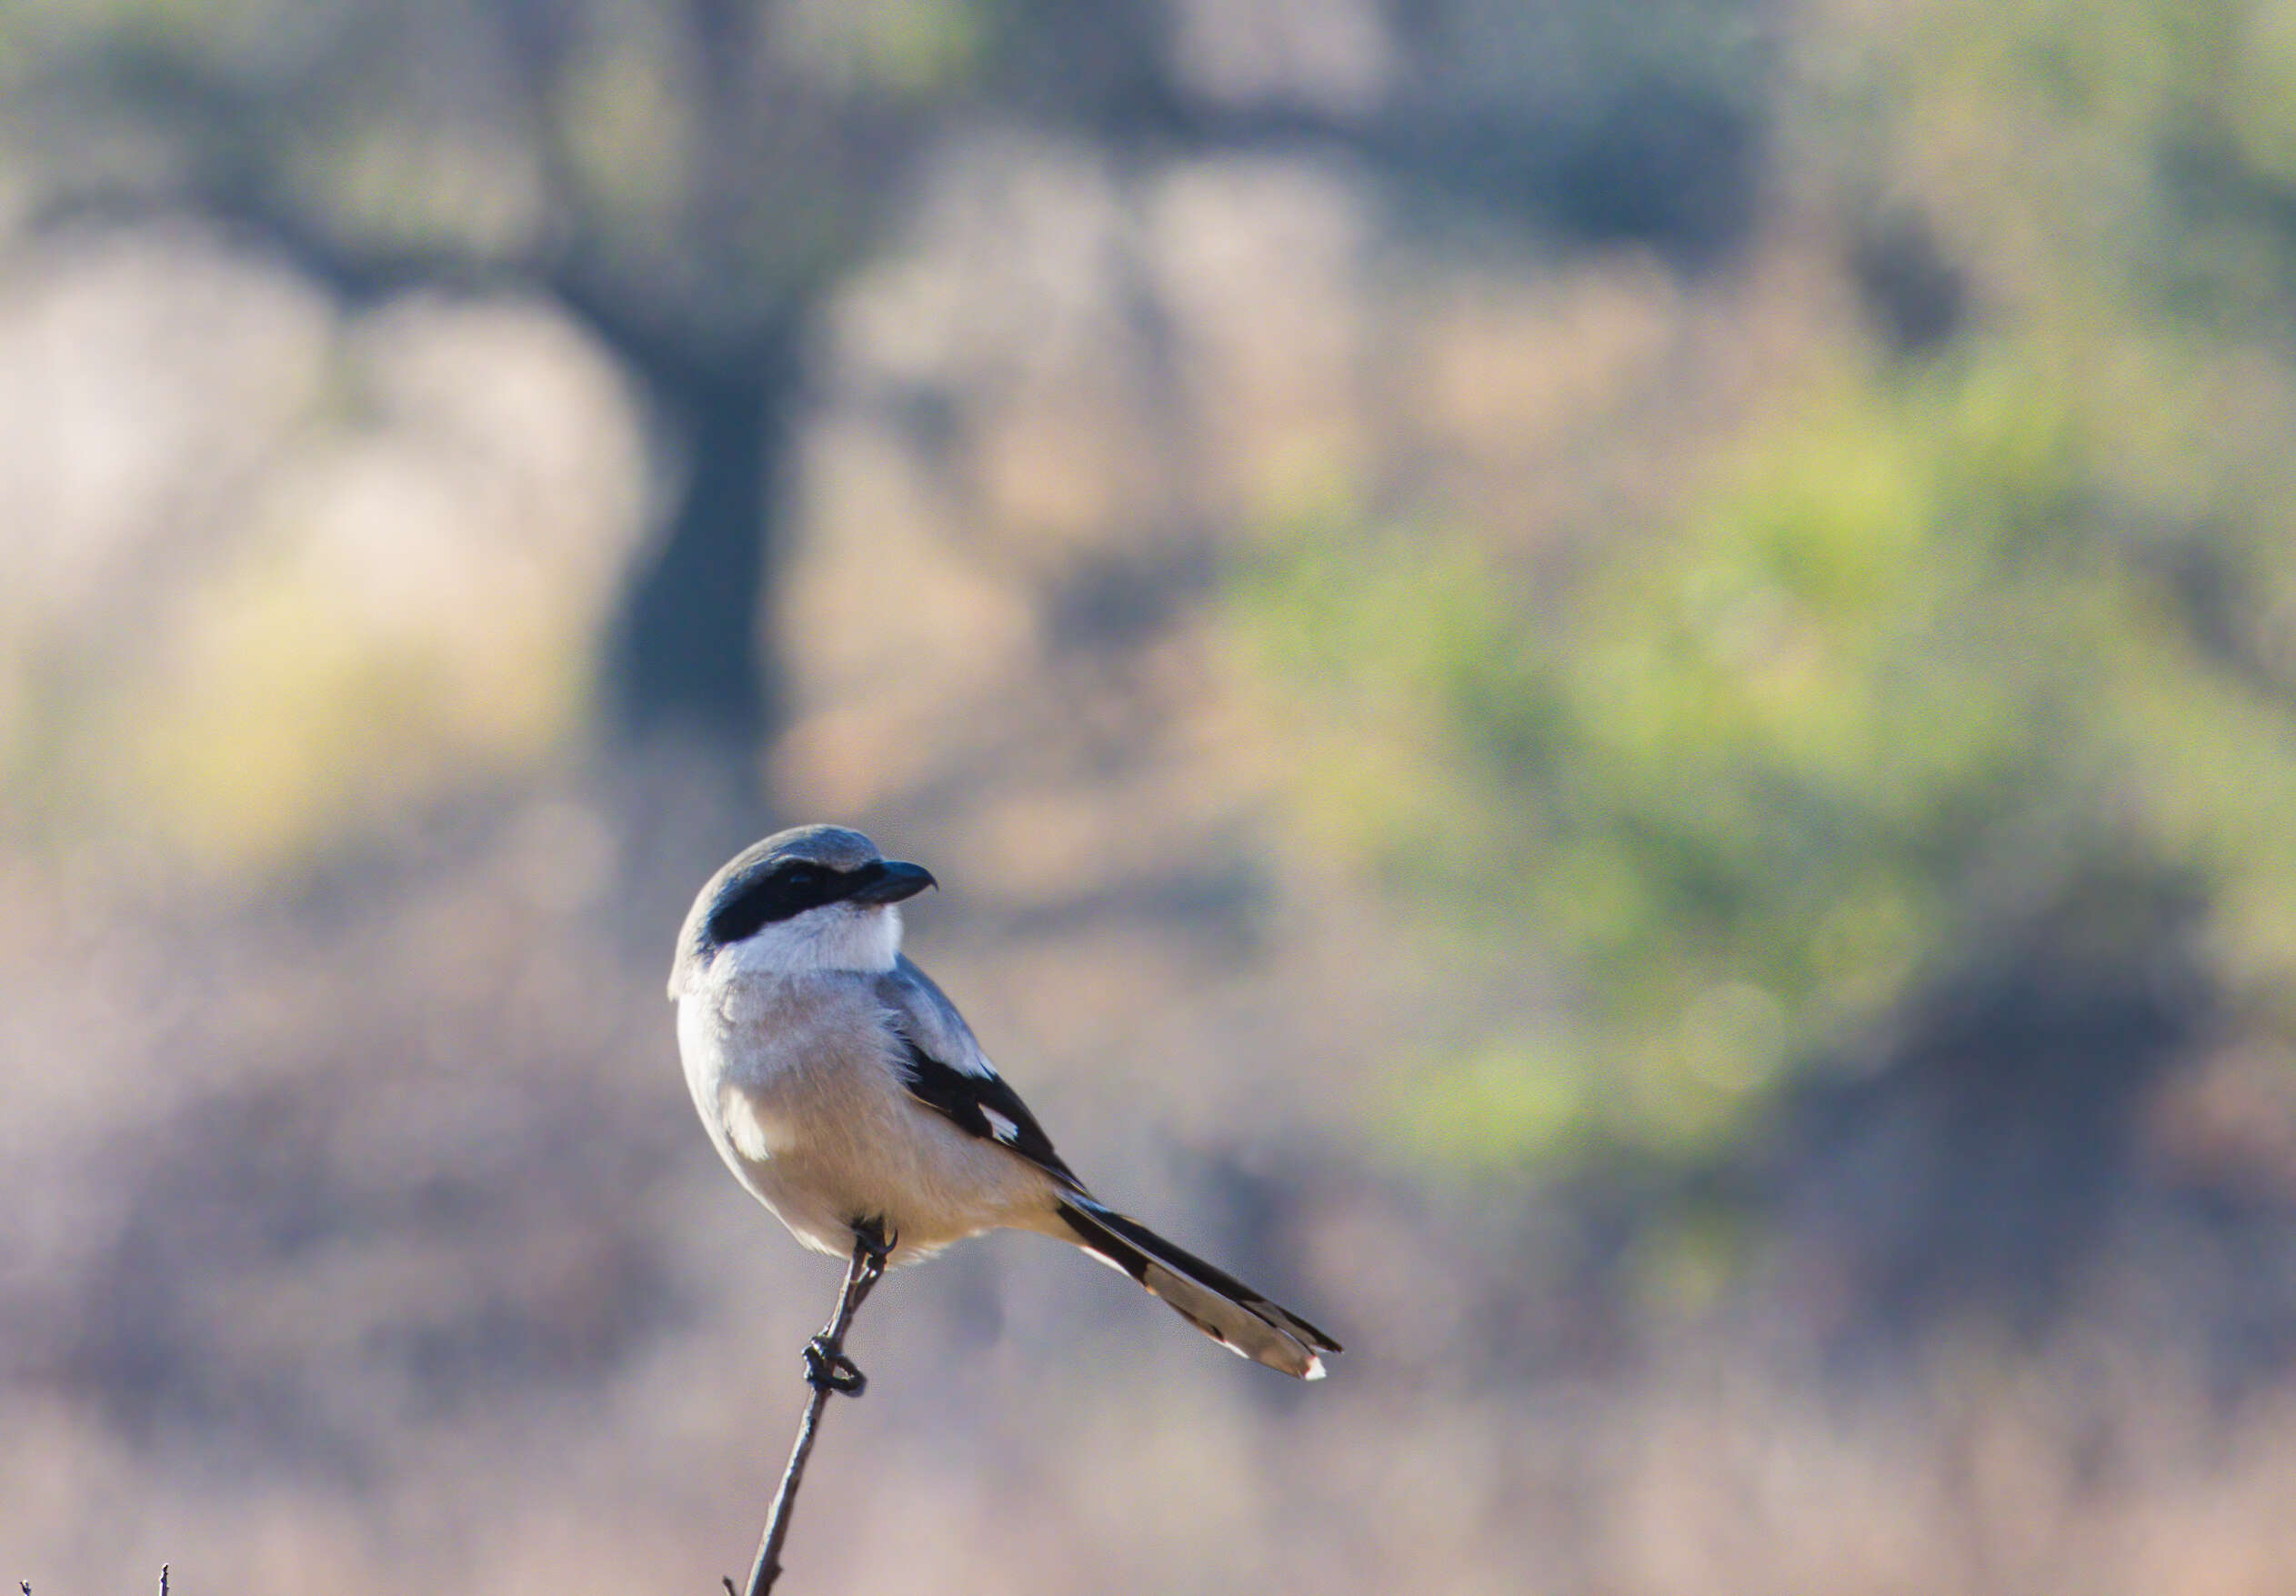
point(1608, 690)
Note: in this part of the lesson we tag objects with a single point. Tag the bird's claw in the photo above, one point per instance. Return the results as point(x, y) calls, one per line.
point(827, 1369)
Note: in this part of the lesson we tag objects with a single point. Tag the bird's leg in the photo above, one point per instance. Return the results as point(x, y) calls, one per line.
point(827, 1369)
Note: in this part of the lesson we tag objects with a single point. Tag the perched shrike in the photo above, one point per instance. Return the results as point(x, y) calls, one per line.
point(849, 1097)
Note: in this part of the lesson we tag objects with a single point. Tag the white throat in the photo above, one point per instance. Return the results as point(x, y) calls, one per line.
point(836, 937)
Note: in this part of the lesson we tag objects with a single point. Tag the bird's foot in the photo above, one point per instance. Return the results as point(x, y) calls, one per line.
point(874, 1241)
point(827, 1369)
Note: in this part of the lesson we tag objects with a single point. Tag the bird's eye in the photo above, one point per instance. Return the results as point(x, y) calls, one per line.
point(800, 876)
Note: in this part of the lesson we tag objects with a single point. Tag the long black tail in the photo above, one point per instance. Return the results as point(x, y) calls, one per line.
point(1217, 1303)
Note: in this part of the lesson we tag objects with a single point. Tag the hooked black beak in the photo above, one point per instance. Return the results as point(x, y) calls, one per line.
point(890, 881)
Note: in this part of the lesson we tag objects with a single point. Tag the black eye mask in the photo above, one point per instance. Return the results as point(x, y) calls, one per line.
point(766, 894)
point(761, 898)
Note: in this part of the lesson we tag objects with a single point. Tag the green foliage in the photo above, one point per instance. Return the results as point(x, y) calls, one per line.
point(903, 48)
point(693, 166)
point(1944, 646)
point(1927, 664)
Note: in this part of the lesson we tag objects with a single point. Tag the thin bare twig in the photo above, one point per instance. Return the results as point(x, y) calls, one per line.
point(828, 1369)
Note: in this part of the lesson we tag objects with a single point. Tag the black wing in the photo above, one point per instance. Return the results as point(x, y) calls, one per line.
point(983, 1106)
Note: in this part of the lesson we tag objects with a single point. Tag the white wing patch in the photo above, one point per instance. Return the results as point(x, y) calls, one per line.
point(1005, 1129)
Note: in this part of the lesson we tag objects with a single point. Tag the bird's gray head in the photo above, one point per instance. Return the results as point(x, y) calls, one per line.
point(810, 899)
